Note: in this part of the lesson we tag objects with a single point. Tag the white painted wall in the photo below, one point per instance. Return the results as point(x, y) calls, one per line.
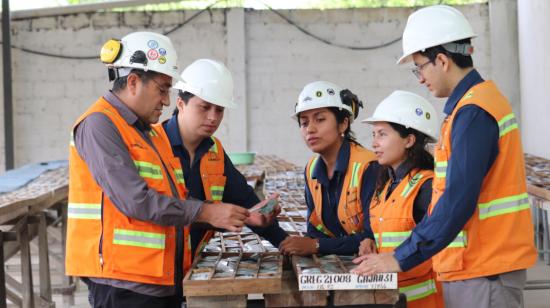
point(271, 59)
point(534, 44)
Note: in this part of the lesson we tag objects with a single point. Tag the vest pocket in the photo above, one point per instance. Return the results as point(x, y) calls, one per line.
point(353, 210)
point(139, 252)
point(451, 259)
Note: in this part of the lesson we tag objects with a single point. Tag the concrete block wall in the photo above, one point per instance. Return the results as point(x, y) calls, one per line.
point(282, 60)
point(50, 93)
point(534, 42)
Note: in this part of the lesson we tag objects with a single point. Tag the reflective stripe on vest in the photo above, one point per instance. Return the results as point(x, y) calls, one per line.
point(139, 238)
point(214, 147)
point(322, 229)
point(148, 170)
point(84, 210)
point(393, 239)
point(507, 124)
point(71, 143)
point(179, 176)
point(217, 192)
point(419, 290)
point(503, 206)
point(153, 133)
point(411, 184)
point(313, 163)
point(355, 175)
point(440, 169)
point(459, 241)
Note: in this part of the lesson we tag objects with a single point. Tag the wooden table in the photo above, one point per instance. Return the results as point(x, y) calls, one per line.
point(277, 175)
point(24, 214)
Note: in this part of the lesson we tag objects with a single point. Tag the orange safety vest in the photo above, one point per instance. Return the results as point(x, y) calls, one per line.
point(212, 166)
point(498, 238)
point(103, 242)
point(350, 211)
point(391, 221)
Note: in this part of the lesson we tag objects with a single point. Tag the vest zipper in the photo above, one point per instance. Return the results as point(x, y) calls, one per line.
point(101, 261)
point(179, 238)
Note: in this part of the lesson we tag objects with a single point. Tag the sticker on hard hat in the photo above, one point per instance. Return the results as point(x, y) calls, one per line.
point(162, 60)
point(162, 51)
point(330, 91)
point(419, 111)
point(152, 54)
point(318, 93)
point(428, 115)
point(153, 44)
point(307, 99)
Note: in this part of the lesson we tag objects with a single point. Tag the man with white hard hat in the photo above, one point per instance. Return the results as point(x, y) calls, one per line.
point(205, 90)
point(479, 229)
point(128, 220)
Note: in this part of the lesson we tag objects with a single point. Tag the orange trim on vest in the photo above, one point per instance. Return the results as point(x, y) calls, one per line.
point(350, 211)
point(101, 241)
point(391, 221)
point(498, 238)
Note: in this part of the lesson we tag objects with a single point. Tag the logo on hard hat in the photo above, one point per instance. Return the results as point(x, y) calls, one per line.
point(153, 44)
point(428, 115)
point(330, 91)
point(152, 54)
point(307, 99)
point(162, 51)
point(419, 111)
point(318, 93)
point(162, 60)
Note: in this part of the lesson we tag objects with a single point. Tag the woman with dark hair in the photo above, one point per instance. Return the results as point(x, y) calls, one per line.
point(402, 125)
point(340, 179)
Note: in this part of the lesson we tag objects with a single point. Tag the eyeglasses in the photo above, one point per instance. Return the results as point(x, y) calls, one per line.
point(417, 71)
point(162, 90)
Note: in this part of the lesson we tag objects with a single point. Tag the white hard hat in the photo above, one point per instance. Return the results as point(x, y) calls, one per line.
point(409, 110)
point(210, 80)
point(324, 94)
point(433, 26)
point(141, 50)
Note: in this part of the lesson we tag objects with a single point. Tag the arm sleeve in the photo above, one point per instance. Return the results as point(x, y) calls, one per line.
point(100, 145)
point(474, 138)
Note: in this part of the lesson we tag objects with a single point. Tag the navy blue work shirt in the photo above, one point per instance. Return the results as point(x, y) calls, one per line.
point(474, 140)
point(342, 243)
point(236, 190)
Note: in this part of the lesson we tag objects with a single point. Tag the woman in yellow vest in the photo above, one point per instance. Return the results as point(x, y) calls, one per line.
point(340, 179)
point(402, 125)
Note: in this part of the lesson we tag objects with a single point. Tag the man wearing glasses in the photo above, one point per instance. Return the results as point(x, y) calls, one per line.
point(128, 220)
point(479, 230)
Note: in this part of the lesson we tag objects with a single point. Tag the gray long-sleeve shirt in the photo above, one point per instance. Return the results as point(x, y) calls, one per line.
point(99, 143)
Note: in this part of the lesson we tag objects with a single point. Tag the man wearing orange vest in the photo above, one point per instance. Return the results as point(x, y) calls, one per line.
point(479, 229)
point(205, 91)
point(127, 232)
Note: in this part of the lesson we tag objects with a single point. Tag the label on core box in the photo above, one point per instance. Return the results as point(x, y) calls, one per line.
point(309, 282)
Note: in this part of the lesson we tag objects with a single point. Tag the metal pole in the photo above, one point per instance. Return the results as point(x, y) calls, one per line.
point(8, 99)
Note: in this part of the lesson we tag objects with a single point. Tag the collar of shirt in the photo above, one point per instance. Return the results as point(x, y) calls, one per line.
point(401, 171)
point(127, 114)
point(171, 127)
point(471, 79)
point(320, 169)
